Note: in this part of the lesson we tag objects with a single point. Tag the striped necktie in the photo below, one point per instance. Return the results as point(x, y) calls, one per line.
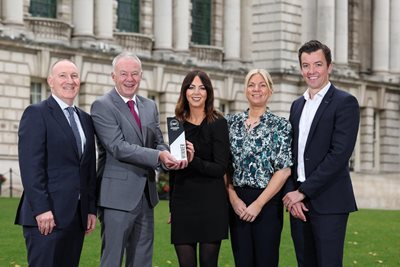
point(75, 130)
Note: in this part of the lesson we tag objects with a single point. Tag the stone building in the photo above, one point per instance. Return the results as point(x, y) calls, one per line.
point(226, 39)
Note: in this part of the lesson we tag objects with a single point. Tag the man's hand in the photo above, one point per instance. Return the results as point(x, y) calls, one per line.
point(171, 162)
point(298, 210)
point(292, 198)
point(168, 160)
point(45, 222)
point(91, 224)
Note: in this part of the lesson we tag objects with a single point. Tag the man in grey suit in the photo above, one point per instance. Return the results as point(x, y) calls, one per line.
point(131, 147)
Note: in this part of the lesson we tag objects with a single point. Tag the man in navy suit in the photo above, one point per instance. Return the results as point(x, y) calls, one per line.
point(58, 170)
point(320, 196)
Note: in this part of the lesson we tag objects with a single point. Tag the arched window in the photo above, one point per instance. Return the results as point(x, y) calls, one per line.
point(201, 22)
point(128, 15)
point(43, 8)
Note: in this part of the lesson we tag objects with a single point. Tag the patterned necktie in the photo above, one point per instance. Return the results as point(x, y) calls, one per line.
point(75, 130)
point(131, 105)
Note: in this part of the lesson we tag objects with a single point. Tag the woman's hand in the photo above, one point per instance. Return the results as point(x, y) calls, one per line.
point(238, 206)
point(251, 212)
point(189, 151)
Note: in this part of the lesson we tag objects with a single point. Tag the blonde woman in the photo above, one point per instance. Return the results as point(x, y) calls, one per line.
point(260, 144)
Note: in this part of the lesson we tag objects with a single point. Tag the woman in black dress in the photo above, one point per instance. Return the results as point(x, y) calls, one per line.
point(199, 205)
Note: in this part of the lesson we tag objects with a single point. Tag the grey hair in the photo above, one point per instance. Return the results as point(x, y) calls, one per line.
point(125, 55)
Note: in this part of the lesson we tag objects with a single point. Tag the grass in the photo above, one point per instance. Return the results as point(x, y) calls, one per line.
point(373, 239)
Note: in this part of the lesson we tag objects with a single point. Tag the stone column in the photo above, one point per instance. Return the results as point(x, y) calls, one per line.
point(232, 30)
point(341, 32)
point(380, 36)
point(395, 36)
point(82, 18)
point(326, 23)
point(245, 40)
point(181, 26)
point(13, 12)
point(163, 24)
point(103, 19)
point(308, 25)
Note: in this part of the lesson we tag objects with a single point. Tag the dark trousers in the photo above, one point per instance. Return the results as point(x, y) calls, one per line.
point(256, 244)
point(319, 242)
point(61, 248)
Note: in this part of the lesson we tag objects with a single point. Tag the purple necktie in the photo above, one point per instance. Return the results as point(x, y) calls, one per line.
point(131, 105)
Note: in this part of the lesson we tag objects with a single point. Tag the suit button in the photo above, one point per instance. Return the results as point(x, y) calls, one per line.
point(306, 159)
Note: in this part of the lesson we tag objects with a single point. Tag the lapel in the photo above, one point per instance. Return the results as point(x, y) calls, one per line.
point(124, 109)
point(142, 114)
point(297, 110)
point(85, 129)
point(295, 118)
point(59, 117)
point(320, 111)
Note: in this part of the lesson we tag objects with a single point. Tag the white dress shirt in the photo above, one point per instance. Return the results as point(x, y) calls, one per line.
point(306, 119)
point(125, 99)
point(63, 106)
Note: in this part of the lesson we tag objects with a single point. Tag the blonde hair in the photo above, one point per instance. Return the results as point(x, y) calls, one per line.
point(264, 74)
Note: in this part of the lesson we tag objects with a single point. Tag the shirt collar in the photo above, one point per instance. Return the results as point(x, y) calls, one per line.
point(125, 99)
point(320, 94)
point(61, 103)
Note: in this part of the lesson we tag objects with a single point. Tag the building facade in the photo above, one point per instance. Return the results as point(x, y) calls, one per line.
point(224, 38)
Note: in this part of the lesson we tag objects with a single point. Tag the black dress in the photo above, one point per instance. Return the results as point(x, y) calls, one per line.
point(199, 203)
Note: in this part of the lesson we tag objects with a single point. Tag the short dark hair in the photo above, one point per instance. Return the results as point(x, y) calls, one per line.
point(315, 45)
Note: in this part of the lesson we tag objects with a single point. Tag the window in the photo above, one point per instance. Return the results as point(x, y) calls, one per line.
point(43, 8)
point(38, 92)
point(155, 97)
point(201, 22)
point(224, 107)
point(128, 15)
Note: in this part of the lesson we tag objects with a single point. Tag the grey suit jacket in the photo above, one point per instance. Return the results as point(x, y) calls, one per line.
point(128, 157)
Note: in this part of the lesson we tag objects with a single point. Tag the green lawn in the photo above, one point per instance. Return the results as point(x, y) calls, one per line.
point(373, 239)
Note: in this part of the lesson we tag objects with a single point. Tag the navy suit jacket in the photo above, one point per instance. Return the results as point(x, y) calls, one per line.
point(329, 146)
point(53, 175)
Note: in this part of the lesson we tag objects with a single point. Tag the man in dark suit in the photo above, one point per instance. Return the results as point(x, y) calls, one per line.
point(57, 161)
point(130, 148)
point(320, 196)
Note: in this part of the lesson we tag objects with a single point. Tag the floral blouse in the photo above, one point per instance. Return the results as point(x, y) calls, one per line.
point(261, 151)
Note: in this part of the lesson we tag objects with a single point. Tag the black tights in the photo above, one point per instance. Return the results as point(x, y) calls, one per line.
point(208, 254)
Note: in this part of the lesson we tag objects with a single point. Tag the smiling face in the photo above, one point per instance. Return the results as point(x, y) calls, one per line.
point(64, 81)
point(315, 69)
point(257, 91)
point(127, 75)
point(196, 94)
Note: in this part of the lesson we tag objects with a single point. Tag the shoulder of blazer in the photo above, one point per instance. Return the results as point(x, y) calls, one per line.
point(82, 112)
point(50, 102)
point(337, 94)
point(298, 100)
point(111, 95)
point(145, 100)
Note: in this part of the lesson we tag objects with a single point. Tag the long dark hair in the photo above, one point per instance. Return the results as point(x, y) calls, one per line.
point(182, 110)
